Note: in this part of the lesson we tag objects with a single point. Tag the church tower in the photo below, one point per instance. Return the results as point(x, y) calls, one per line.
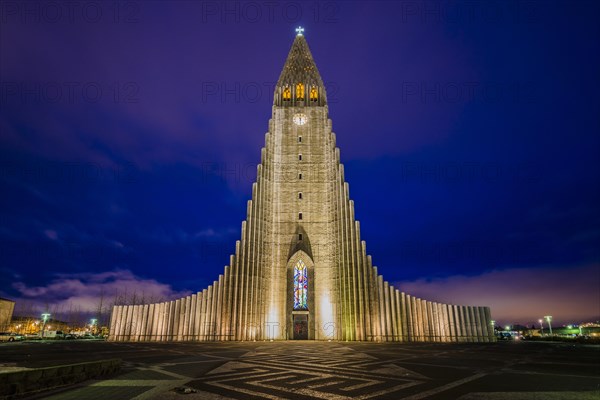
point(300, 269)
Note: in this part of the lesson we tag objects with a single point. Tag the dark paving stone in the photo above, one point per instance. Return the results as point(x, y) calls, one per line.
point(144, 374)
point(438, 373)
point(194, 370)
point(102, 392)
point(510, 382)
point(559, 368)
point(152, 359)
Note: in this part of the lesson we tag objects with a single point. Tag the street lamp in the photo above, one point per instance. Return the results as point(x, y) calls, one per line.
point(45, 317)
point(541, 321)
point(549, 319)
point(93, 322)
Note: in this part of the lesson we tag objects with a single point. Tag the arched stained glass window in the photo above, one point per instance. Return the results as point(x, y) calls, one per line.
point(287, 94)
point(300, 286)
point(299, 91)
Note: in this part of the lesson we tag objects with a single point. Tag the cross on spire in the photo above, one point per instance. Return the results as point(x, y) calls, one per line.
point(299, 31)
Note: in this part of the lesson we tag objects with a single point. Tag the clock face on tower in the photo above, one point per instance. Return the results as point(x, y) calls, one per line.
point(300, 119)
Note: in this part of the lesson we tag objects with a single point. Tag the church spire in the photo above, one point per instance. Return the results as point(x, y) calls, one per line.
point(300, 83)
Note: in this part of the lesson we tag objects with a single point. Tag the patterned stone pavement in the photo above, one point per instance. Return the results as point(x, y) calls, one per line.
point(366, 371)
point(311, 370)
point(333, 370)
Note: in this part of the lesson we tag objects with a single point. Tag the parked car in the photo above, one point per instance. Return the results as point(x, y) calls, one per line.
point(86, 336)
point(33, 336)
point(53, 335)
point(509, 336)
point(10, 337)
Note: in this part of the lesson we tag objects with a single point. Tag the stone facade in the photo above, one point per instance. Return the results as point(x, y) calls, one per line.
point(300, 211)
point(7, 308)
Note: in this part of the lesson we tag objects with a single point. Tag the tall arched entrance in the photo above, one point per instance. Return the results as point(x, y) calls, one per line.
point(300, 323)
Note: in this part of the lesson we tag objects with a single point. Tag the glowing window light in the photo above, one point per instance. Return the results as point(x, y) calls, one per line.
point(300, 286)
point(300, 91)
point(313, 94)
point(287, 93)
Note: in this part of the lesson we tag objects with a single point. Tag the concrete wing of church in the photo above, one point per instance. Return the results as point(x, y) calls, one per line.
point(300, 269)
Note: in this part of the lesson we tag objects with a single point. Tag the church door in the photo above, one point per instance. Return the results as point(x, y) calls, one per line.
point(300, 327)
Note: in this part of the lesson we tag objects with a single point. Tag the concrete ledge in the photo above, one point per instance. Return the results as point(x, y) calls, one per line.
point(27, 382)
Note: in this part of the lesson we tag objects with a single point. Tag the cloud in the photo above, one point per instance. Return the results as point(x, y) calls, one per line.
point(83, 291)
point(520, 295)
point(51, 234)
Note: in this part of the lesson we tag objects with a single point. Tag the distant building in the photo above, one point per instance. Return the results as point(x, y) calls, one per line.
point(30, 324)
point(6, 312)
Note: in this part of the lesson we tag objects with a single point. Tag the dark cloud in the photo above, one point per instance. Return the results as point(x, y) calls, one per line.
point(86, 290)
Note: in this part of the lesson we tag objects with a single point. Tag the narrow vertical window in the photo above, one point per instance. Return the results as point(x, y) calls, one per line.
point(299, 139)
point(300, 91)
point(287, 94)
point(313, 94)
point(300, 195)
point(299, 176)
point(300, 286)
point(299, 215)
point(299, 236)
point(299, 157)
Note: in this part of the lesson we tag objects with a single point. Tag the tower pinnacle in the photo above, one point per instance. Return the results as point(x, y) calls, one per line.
point(300, 83)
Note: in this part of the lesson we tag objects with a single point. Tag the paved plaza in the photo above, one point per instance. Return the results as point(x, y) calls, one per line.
point(324, 370)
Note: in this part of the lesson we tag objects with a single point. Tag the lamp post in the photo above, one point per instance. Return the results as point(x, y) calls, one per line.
point(541, 321)
point(45, 317)
point(549, 319)
point(93, 322)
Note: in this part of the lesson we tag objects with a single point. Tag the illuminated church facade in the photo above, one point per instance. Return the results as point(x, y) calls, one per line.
point(300, 269)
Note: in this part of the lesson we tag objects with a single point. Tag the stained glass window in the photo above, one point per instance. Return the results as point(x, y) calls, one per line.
point(287, 94)
point(299, 91)
point(300, 286)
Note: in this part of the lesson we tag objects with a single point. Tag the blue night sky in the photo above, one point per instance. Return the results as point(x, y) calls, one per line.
point(130, 134)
